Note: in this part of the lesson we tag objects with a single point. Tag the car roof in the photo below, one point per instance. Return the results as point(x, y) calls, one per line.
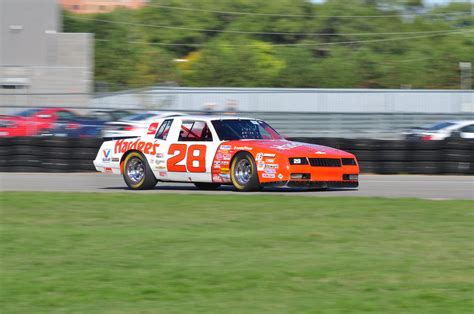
point(212, 117)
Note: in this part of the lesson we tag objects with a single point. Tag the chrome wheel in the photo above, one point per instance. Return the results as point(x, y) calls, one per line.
point(135, 170)
point(243, 171)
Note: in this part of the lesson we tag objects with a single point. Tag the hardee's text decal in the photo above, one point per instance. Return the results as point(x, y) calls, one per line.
point(148, 148)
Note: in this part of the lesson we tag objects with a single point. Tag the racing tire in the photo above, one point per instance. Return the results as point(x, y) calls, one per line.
point(137, 173)
point(207, 186)
point(243, 173)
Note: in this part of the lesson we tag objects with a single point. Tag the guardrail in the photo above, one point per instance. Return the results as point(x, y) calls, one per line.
point(61, 154)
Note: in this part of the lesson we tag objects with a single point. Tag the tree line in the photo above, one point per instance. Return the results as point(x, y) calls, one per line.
point(280, 43)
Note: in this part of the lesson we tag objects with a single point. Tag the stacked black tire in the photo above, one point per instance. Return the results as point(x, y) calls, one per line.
point(48, 154)
point(58, 154)
point(406, 157)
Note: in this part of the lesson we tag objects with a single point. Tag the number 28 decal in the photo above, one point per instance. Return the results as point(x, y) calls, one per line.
point(196, 161)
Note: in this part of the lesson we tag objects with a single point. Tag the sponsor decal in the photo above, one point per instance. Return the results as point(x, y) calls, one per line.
point(218, 156)
point(259, 157)
point(270, 170)
point(162, 174)
point(280, 176)
point(217, 165)
point(226, 147)
point(152, 128)
point(148, 148)
point(224, 176)
point(260, 165)
point(269, 155)
point(226, 156)
point(160, 164)
point(108, 170)
point(159, 155)
point(217, 178)
point(225, 163)
point(115, 159)
point(271, 166)
point(106, 153)
point(268, 176)
point(270, 160)
point(225, 170)
point(242, 148)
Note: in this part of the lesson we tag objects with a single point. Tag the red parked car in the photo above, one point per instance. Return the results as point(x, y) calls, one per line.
point(33, 122)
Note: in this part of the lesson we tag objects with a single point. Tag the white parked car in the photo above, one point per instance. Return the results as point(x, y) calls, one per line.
point(442, 131)
point(134, 125)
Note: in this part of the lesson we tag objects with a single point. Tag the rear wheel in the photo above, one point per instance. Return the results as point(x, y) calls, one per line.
point(243, 173)
point(136, 172)
point(207, 186)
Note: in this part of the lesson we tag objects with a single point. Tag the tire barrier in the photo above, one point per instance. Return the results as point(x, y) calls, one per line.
point(452, 156)
point(62, 154)
point(48, 154)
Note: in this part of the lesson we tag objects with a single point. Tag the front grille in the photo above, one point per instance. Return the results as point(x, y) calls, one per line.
point(325, 162)
point(348, 161)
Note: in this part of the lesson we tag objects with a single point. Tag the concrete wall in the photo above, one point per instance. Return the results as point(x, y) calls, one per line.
point(294, 100)
point(37, 59)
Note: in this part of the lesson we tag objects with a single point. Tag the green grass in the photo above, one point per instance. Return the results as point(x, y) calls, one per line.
point(150, 253)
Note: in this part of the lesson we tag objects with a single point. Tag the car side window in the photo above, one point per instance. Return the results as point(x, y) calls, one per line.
point(64, 115)
point(164, 129)
point(468, 129)
point(195, 131)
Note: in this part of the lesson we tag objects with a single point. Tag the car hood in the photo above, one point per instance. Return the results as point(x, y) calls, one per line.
point(291, 149)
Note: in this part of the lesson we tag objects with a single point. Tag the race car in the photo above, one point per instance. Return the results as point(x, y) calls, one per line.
point(210, 151)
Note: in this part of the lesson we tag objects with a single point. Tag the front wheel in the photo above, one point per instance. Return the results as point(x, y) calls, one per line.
point(136, 172)
point(243, 173)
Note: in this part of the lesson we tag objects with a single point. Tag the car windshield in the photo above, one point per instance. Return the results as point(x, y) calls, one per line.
point(230, 130)
point(139, 117)
point(439, 126)
point(28, 113)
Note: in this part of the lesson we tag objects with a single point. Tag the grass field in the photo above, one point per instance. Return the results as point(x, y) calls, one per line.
point(136, 253)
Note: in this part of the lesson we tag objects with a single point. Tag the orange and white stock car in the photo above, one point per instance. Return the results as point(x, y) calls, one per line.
point(210, 151)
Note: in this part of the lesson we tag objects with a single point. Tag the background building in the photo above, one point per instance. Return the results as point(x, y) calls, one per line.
point(36, 58)
point(99, 6)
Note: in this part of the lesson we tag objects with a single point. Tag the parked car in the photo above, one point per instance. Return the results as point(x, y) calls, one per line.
point(14, 126)
point(109, 115)
point(33, 122)
point(90, 125)
point(210, 151)
point(442, 131)
point(134, 125)
point(77, 126)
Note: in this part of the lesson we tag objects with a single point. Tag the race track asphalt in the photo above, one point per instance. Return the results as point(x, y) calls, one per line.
point(413, 186)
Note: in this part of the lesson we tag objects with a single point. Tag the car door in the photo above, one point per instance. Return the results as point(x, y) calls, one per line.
point(467, 131)
point(191, 151)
